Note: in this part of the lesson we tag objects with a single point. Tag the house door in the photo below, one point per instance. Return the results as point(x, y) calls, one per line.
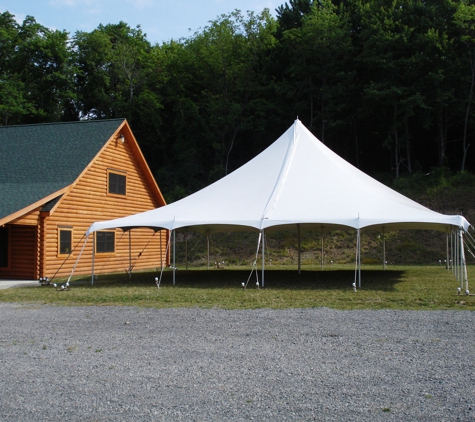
point(18, 257)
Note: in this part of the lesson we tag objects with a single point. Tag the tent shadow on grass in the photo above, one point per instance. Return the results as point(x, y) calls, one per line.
point(274, 279)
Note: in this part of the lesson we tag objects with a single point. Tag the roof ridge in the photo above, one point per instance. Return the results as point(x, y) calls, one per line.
point(118, 119)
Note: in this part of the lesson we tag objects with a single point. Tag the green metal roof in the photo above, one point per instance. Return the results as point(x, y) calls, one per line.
point(38, 160)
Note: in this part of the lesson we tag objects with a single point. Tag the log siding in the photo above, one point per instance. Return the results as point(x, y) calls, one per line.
point(36, 250)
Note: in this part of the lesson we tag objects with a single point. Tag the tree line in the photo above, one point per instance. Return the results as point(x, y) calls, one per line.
point(387, 84)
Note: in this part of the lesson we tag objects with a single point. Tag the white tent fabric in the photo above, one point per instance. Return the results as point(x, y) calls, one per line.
point(296, 180)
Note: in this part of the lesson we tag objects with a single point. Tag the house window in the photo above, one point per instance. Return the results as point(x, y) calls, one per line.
point(65, 240)
point(3, 247)
point(105, 242)
point(117, 183)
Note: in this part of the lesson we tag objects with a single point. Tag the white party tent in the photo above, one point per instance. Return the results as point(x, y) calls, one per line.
point(296, 181)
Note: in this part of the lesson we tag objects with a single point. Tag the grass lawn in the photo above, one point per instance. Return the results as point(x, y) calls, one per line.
point(399, 287)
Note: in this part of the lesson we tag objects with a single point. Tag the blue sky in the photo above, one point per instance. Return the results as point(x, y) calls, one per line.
point(161, 20)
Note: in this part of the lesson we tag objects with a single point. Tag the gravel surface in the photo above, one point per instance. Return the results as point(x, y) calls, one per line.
point(134, 364)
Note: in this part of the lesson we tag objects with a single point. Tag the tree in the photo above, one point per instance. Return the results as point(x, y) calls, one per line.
point(35, 72)
point(114, 63)
point(402, 62)
point(290, 15)
point(225, 62)
point(464, 19)
point(319, 51)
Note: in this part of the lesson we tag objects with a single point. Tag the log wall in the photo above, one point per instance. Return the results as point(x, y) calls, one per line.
point(86, 202)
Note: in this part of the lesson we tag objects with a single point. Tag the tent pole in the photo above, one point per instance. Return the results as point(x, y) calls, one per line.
point(384, 250)
point(461, 259)
point(359, 258)
point(321, 229)
point(454, 254)
point(93, 255)
point(263, 256)
point(447, 251)
point(457, 260)
point(160, 244)
point(298, 246)
point(464, 263)
point(130, 255)
point(452, 250)
point(207, 242)
point(186, 250)
point(174, 256)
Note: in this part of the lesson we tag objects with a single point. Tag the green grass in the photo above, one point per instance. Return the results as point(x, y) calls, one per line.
point(400, 287)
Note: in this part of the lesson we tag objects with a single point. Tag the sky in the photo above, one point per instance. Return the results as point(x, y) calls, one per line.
point(160, 20)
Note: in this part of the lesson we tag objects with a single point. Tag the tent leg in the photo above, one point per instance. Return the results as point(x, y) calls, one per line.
point(447, 251)
point(263, 256)
point(384, 251)
point(160, 246)
point(174, 256)
point(207, 242)
point(130, 255)
point(457, 260)
point(464, 263)
point(186, 250)
point(93, 256)
point(322, 247)
point(452, 250)
point(358, 257)
point(298, 246)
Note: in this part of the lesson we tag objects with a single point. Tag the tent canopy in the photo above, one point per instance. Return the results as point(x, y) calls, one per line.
point(296, 180)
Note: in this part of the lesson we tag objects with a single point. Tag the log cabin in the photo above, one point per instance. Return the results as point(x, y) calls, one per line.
point(56, 179)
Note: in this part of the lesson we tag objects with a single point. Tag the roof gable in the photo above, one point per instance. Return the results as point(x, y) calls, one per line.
point(38, 160)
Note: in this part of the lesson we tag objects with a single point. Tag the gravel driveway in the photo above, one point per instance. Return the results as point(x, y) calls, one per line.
point(134, 364)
